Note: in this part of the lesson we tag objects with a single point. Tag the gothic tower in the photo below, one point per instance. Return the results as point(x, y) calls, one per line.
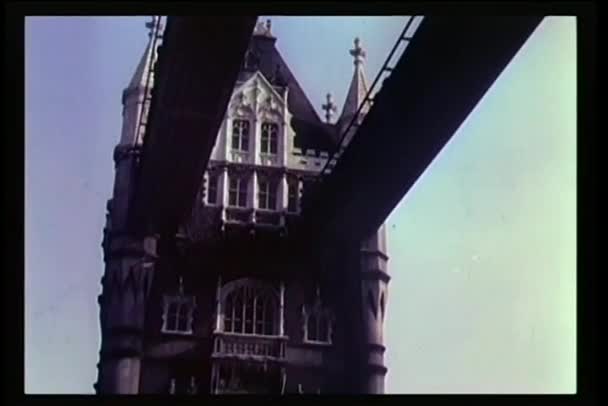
point(374, 271)
point(129, 258)
point(222, 307)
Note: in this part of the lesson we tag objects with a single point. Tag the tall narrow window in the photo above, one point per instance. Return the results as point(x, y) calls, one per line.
point(177, 317)
point(269, 139)
point(237, 195)
point(318, 321)
point(267, 194)
point(318, 328)
point(178, 311)
point(292, 196)
point(240, 135)
point(212, 189)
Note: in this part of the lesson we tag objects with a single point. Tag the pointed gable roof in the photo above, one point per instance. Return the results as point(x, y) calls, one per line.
point(311, 132)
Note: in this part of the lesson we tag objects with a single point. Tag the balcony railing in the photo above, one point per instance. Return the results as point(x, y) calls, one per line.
point(269, 159)
point(254, 347)
point(262, 217)
point(238, 215)
point(239, 156)
point(269, 218)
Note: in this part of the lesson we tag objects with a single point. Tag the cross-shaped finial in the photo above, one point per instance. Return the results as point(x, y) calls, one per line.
point(329, 108)
point(152, 25)
point(358, 52)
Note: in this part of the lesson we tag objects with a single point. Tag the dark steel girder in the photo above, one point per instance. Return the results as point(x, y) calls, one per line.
point(445, 71)
point(197, 68)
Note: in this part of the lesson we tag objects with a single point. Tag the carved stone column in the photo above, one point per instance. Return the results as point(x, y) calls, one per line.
point(283, 191)
point(223, 190)
point(374, 295)
point(282, 309)
point(252, 198)
point(126, 286)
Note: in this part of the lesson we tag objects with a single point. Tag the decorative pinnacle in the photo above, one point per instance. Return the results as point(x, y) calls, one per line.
point(154, 24)
point(329, 108)
point(181, 286)
point(358, 52)
point(263, 28)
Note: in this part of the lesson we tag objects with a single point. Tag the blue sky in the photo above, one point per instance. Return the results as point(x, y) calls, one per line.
point(482, 248)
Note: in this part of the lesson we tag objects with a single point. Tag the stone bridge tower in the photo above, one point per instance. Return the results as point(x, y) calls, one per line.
point(374, 259)
point(129, 259)
point(219, 307)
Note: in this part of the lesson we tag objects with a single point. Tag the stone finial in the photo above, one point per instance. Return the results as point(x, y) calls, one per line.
point(358, 52)
point(329, 108)
point(181, 286)
point(154, 24)
point(172, 386)
point(263, 28)
point(193, 388)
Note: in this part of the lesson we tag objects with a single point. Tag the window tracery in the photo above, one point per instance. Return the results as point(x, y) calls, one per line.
point(317, 322)
point(178, 311)
point(249, 307)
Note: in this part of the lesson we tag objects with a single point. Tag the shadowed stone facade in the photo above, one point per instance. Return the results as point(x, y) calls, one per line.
point(222, 307)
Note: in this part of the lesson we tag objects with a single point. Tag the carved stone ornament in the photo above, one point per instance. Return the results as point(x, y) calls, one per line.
point(269, 109)
point(241, 105)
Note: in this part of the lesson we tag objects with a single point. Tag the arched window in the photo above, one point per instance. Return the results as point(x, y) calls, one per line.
point(249, 307)
point(178, 312)
point(318, 323)
point(269, 139)
point(318, 328)
point(240, 135)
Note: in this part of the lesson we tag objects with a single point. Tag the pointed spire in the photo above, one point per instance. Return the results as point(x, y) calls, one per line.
point(135, 98)
point(358, 86)
point(149, 57)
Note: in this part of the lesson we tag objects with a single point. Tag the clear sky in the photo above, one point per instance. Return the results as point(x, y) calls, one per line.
point(483, 248)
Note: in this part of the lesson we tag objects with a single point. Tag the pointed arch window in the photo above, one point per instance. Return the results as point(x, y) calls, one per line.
point(250, 307)
point(178, 312)
point(269, 138)
point(240, 135)
point(318, 322)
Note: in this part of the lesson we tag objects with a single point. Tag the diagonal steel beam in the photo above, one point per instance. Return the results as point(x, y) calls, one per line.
point(197, 67)
point(446, 70)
